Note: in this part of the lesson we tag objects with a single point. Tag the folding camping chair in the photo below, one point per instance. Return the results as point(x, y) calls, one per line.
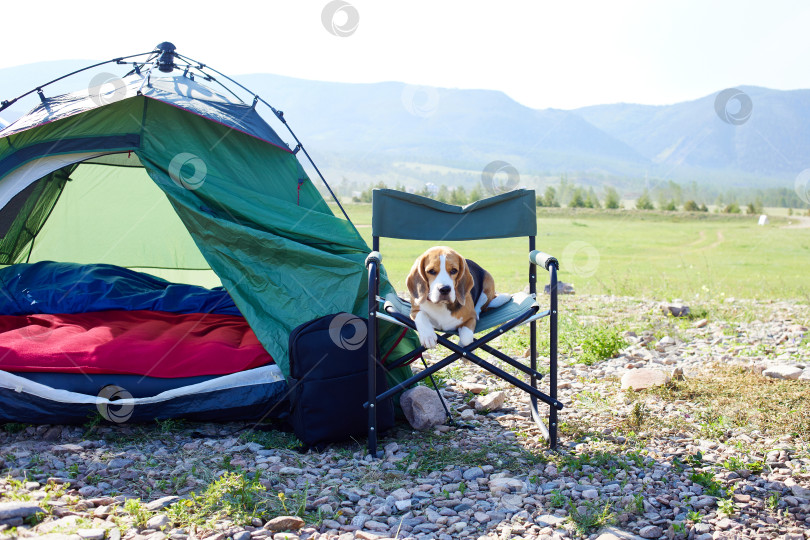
point(513, 214)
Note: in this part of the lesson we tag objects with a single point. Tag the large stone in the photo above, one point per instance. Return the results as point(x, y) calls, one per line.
point(422, 407)
point(21, 509)
point(284, 523)
point(497, 485)
point(91, 534)
point(562, 288)
point(163, 502)
point(783, 372)
point(643, 378)
point(613, 533)
point(651, 531)
point(675, 309)
point(158, 522)
point(490, 402)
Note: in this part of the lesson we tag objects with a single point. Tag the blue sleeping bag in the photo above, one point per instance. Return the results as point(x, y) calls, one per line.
point(59, 287)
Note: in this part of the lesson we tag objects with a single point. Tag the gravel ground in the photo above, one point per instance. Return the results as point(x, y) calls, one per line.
point(631, 464)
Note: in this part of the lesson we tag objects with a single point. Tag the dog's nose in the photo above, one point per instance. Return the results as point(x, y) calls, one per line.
point(445, 289)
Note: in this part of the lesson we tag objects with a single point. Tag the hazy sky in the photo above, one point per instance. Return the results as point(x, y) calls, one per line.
point(541, 53)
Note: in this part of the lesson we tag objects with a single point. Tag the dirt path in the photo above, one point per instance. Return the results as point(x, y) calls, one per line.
point(798, 222)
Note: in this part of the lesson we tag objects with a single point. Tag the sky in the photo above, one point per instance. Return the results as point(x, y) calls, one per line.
point(544, 54)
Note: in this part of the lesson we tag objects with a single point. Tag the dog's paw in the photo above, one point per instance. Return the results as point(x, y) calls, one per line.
point(465, 336)
point(428, 339)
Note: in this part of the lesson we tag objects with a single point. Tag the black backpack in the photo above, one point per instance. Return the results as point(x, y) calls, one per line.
point(329, 383)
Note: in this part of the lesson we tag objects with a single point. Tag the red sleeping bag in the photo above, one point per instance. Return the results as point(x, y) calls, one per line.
point(153, 343)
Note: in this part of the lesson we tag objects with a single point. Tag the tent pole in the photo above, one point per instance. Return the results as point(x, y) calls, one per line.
point(9, 103)
point(280, 115)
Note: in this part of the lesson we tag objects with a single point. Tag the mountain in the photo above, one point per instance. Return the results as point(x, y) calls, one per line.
point(399, 133)
point(773, 142)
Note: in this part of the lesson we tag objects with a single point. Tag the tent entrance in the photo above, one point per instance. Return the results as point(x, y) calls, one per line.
point(109, 210)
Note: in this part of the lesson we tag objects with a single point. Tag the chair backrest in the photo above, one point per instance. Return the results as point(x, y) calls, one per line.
point(404, 215)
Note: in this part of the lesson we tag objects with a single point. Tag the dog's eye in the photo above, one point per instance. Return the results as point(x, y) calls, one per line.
point(432, 272)
point(453, 272)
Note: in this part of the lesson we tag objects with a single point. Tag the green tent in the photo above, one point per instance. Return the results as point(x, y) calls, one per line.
point(160, 173)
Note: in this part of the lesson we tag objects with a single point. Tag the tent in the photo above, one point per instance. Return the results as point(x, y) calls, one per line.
point(118, 203)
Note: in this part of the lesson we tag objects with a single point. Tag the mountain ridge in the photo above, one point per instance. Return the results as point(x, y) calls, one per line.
point(400, 133)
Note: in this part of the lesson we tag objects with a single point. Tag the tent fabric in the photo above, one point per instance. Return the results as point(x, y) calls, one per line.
point(59, 287)
point(251, 395)
point(246, 202)
point(394, 214)
point(93, 383)
point(150, 343)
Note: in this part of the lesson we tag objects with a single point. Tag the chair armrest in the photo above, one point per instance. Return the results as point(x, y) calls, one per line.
point(543, 259)
point(374, 256)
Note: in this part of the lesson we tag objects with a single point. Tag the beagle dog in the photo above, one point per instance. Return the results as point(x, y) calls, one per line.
point(449, 293)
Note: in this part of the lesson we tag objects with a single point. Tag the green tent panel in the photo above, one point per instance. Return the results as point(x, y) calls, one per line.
point(173, 179)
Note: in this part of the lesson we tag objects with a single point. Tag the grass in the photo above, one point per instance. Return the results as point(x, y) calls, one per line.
point(739, 398)
point(656, 254)
point(238, 497)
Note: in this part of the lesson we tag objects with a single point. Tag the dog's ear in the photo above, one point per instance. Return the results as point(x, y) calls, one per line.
point(417, 282)
point(465, 281)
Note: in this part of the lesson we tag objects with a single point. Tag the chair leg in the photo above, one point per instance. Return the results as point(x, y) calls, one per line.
point(372, 358)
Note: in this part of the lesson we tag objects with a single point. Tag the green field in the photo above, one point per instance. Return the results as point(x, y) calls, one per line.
point(643, 254)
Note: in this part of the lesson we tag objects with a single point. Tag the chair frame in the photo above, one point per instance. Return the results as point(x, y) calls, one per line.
point(530, 316)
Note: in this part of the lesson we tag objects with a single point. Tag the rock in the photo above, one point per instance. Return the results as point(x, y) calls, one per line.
point(159, 504)
point(284, 523)
point(562, 288)
point(590, 494)
point(467, 414)
point(422, 407)
point(664, 342)
point(701, 323)
point(481, 517)
point(291, 470)
point(53, 433)
point(651, 531)
point(805, 376)
point(66, 448)
point(119, 463)
point(91, 534)
point(612, 533)
point(490, 402)
point(158, 522)
point(783, 372)
point(366, 535)
point(401, 494)
point(279, 536)
point(473, 473)
point(497, 485)
point(549, 520)
point(14, 510)
point(643, 378)
point(241, 535)
point(676, 310)
point(473, 387)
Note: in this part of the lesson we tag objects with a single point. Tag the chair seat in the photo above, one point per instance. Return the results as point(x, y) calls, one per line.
point(519, 304)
